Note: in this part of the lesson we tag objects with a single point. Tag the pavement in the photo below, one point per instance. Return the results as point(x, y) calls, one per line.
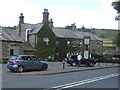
point(57, 68)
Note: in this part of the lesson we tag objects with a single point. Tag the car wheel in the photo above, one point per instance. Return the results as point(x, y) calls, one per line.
point(91, 64)
point(20, 69)
point(43, 67)
point(73, 64)
point(46, 67)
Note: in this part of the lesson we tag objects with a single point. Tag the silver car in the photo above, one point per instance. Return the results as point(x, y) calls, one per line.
point(22, 63)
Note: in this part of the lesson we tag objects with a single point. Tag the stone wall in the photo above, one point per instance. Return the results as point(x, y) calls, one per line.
point(6, 46)
point(96, 46)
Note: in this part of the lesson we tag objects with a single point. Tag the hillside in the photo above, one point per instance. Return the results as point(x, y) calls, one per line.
point(106, 33)
point(107, 36)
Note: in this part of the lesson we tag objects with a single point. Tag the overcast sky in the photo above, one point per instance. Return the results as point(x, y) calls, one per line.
point(90, 13)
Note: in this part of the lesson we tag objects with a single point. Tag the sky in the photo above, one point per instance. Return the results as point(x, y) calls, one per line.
point(90, 13)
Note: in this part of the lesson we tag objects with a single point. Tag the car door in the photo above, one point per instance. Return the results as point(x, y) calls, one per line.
point(36, 63)
point(27, 62)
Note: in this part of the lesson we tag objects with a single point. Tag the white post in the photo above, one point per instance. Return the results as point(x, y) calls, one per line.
point(0, 57)
point(0, 44)
point(118, 22)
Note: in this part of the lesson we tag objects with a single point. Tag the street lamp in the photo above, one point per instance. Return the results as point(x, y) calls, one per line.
point(98, 47)
point(68, 43)
point(81, 46)
point(80, 43)
point(86, 42)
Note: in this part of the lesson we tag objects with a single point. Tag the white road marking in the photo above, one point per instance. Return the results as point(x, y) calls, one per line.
point(85, 81)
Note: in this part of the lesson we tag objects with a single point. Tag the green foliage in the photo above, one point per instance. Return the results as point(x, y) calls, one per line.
point(62, 47)
point(102, 36)
point(117, 56)
point(108, 55)
point(116, 40)
point(116, 5)
point(97, 55)
point(110, 34)
point(104, 56)
point(43, 50)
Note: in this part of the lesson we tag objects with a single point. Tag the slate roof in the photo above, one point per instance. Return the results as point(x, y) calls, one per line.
point(34, 27)
point(27, 46)
point(67, 33)
point(9, 35)
point(12, 34)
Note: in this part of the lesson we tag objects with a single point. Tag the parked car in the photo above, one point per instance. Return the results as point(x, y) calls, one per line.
point(22, 63)
point(73, 61)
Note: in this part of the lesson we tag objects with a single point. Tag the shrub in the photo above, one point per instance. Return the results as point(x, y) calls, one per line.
point(117, 56)
point(108, 56)
point(97, 55)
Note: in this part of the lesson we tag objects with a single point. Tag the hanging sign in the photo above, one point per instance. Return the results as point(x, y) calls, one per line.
point(86, 55)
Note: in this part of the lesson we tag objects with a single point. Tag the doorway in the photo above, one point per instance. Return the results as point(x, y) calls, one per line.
point(11, 52)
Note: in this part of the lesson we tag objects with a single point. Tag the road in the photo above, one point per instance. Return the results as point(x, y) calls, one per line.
point(99, 78)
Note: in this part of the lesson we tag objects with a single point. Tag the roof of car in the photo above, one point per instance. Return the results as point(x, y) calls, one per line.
point(23, 55)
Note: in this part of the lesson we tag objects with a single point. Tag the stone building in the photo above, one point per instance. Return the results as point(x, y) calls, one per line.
point(72, 32)
point(10, 43)
point(23, 39)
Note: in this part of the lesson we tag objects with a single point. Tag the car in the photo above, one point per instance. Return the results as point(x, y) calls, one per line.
point(22, 63)
point(73, 61)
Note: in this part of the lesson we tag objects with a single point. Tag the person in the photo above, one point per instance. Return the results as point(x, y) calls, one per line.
point(68, 56)
point(79, 58)
point(56, 56)
point(49, 58)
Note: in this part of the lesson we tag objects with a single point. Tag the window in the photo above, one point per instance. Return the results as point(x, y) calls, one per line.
point(23, 58)
point(35, 59)
point(46, 41)
point(11, 52)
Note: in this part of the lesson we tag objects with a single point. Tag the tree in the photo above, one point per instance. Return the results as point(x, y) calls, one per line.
point(117, 39)
point(116, 5)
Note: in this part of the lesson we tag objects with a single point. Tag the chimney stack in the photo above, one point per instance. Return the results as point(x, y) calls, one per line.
point(73, 26)
point(45, 16)
point(51, 23)
point(21, 19)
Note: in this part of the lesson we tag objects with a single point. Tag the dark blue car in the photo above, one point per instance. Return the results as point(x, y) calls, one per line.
point(21, 63)
point(73, 61)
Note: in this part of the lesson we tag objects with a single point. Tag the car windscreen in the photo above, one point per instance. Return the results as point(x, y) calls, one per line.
point(13, 57)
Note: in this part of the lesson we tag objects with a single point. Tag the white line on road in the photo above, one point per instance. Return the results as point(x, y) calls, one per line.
point(85, 81)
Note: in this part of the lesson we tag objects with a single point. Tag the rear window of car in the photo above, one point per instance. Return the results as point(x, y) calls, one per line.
point(13, 57)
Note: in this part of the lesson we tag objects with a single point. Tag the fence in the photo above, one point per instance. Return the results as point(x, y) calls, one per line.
point(103, 60)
